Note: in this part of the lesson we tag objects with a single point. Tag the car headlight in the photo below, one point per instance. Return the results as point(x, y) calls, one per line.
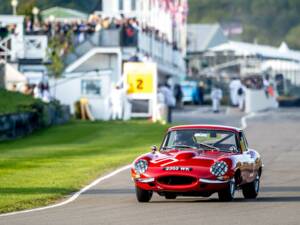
point(219, 168)
point(141, 166)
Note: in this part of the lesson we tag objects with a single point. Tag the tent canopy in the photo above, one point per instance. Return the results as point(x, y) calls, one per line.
point(60, 14)
point(279, 65)
point(250, 49)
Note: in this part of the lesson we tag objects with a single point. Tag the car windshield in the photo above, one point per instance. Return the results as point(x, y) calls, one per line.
point(201, 139)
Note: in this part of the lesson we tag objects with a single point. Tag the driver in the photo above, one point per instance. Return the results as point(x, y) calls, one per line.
point(184, 138)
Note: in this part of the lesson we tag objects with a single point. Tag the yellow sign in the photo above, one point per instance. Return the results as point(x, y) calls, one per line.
point(140, 77)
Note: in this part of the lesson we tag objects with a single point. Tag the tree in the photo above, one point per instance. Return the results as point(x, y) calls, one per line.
point(58, 47)
point(292, 38)
point(55, 49)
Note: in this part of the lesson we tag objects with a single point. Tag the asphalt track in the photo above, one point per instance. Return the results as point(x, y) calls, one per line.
point(275, 134)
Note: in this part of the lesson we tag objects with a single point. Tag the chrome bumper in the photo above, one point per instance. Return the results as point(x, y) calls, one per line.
point(145, 180)
point(207, 181)
point(201, 180)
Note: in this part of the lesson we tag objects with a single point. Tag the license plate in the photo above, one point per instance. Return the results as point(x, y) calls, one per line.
point(177, 168)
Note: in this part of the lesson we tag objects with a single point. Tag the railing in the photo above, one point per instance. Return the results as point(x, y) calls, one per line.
point(5, 48)
point(148, 44)
point(160, 51)
point(35, 46)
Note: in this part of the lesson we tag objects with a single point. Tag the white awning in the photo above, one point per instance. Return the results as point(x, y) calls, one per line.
point(280, 65)
point(12, 75)
point(250, 49)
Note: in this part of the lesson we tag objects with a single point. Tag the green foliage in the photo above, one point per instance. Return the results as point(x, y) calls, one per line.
point(267, 22)
point(59, 46)
point(293, 37)
point(13, 102)
point(57, 161)
point(55, 48)
point(26, 8)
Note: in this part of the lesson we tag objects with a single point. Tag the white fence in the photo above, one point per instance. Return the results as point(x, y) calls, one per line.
point(257, 100)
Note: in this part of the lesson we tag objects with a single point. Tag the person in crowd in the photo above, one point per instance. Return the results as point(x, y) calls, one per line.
point(37, 91)
point(161, 108)
point(26, 89)
point(216, 97)
point(28, 25)
point(266, 83)
point(116, 102)
point(201, 91)
point(234, 85)
point(105, 23)
point(45, 92)
point(178, 94)
point(241, 96)
point(169, 100)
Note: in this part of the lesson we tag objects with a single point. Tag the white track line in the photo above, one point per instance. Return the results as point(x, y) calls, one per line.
point(244, 120)
point(73, 197)
point(77, 194)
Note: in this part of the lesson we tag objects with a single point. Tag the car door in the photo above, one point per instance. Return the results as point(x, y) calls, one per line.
point(249, 158)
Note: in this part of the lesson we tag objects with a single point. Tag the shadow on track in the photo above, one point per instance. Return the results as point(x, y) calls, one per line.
point(292, 195)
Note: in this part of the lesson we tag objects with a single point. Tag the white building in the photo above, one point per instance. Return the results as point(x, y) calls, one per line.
point(96, 63)
point(105, 51)
point(26, 53)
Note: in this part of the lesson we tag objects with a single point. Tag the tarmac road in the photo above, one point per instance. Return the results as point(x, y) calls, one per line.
point(276, 135)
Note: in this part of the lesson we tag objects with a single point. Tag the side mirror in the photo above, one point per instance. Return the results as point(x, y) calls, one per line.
point(154, 149)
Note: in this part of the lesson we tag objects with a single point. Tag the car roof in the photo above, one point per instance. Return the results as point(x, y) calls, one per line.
point(206, 127)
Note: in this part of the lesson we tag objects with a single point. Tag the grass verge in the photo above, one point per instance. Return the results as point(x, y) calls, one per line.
point(42, 168)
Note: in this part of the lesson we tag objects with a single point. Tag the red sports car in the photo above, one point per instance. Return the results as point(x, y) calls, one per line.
point(199, 160)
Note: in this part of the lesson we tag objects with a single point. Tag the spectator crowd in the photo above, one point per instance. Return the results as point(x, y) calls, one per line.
point(82, 29)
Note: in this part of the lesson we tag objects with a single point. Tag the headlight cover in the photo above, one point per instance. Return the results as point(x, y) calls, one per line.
point(141, 166)
point(219, 168)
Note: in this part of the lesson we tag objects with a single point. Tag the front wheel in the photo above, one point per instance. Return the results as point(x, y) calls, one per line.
point(250, 191)
point(143, 195)
point(227, 194)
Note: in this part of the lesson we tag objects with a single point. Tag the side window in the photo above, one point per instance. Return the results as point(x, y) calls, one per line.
point(243, 142)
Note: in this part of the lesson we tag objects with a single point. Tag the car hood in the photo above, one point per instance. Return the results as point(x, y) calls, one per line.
point(187, 158)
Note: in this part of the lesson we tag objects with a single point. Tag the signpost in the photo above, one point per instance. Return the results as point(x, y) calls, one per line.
point(141, 81)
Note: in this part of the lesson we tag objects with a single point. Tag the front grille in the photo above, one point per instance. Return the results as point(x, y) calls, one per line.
point(176, 180)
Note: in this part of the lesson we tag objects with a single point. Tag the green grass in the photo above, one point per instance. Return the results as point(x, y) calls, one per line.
point(42, 168)
point(12, 102)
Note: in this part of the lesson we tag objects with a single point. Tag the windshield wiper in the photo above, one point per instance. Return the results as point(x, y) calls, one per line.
point(209, 146)
point(179, 146)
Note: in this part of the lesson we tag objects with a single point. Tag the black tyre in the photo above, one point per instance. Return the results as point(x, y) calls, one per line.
point(250, 191)
point(170, 196)
point(143, 195)
point(227, 194)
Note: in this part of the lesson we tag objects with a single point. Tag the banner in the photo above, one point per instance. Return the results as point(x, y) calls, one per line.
point(141, 81)
point(140, 77)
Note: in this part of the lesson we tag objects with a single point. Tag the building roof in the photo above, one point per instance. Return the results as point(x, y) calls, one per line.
point(204, 36)
point(265, 51)
point(61, 13)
